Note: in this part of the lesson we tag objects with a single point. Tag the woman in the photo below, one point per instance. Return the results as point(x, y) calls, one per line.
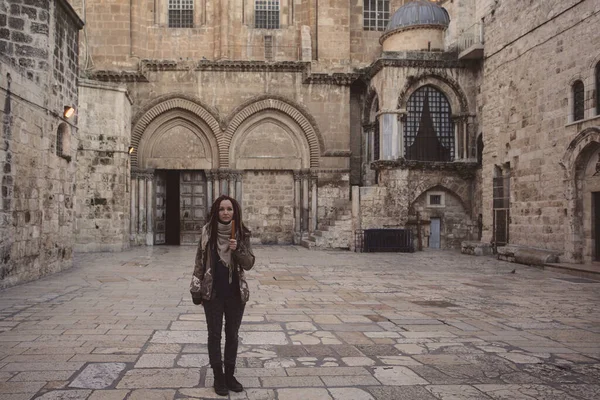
point(219, 284)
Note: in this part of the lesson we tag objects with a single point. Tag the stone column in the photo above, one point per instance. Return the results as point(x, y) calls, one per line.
point(238, 186)
point(210, 177)
point(232, 184)
point(149, 210)
point(356, 223)
point(401, 121)
point(456, 121)
point(304, 217)
point(141, 204)
point(297, 202)
point(224, 29)
point(216, 185)
point(313, 208)
point(133, 211)
point(224, 182)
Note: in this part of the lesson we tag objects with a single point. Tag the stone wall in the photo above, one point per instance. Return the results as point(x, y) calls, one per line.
point(268, 206)
point(38, 157)
point(333, 194)
point(102, 207)
point(526, 104)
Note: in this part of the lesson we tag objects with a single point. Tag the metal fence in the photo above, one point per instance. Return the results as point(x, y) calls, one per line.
point(384, 240)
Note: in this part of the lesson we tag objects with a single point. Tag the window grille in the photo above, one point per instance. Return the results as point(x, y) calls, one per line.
point(376, 142)
point(429, 131)
point(578, 101)
point(501, 207)
point(266, 14)
point(59, 142)
point(435, 199)
point(376, 14)
point(269, 48)
point(598, 89)
point(181, 13)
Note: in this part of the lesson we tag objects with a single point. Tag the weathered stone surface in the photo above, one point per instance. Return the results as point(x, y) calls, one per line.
point(98, 376)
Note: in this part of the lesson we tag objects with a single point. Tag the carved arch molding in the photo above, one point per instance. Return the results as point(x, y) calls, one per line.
point(220, 138)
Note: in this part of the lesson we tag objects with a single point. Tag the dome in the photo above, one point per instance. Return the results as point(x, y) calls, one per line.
point(419, 12)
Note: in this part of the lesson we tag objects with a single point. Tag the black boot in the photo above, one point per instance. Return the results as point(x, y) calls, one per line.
point(231, 382)
point(219, 385)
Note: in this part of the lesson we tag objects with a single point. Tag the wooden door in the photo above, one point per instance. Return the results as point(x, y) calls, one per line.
point(193, 208)
point(160, 211)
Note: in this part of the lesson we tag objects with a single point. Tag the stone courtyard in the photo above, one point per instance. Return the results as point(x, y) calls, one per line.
point(319, 325)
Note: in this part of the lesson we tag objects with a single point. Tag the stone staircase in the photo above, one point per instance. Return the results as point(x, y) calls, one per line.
point(334, 232)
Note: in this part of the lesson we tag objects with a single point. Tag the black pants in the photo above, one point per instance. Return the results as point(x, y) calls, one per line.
point(233, 309)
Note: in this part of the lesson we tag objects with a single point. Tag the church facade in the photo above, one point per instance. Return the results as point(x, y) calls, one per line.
point(462, 121)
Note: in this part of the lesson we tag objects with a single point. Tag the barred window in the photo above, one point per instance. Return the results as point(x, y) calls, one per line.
point(266, 14)
point(578, 101)
point(376, 14)
point(598, 89)
point(181, 13)
point(429, 132)
point(63, 140)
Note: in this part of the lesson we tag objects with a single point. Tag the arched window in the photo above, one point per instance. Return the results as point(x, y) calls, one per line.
point(62, 140)
point(429, 133)
point(578, 101)
point(598, 89)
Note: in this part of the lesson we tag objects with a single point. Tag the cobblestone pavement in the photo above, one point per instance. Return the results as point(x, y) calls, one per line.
point(319, 325)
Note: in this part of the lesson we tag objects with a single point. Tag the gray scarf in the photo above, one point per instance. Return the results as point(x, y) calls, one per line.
point(224, 234)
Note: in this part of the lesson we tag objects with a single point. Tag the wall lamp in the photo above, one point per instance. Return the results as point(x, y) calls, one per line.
point(130, 149)
point(68, 112)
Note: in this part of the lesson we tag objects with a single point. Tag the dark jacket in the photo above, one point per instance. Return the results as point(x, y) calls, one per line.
point(202, 278)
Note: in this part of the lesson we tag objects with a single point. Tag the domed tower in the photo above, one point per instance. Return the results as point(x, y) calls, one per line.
point(416, 26)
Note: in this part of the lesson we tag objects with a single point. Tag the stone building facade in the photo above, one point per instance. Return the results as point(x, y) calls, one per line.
point(460, 120)
point(38, 78)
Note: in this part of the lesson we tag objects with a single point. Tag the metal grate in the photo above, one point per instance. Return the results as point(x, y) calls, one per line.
point(181, 13)
point(266, 14)
point(578, 101)
point(429, 133)
point(384, 240)
point(269, 48)
point(376, 14)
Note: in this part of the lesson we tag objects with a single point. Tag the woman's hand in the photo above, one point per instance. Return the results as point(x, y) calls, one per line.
point(232, 244)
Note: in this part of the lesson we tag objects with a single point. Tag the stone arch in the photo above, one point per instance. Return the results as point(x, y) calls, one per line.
point(258, 134)
point(453, 188)
point(63, 140)
point(176, 106)
point(575, 161)
point(450, 88)
point(279, 105)
point(371, 100)
point(196, 140)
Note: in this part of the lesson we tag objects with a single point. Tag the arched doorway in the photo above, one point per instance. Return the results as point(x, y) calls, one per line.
point(176, 150)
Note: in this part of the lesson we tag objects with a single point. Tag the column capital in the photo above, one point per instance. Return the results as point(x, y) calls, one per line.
point(297, 175)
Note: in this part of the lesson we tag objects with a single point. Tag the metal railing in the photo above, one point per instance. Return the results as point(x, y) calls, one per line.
point(471, 36)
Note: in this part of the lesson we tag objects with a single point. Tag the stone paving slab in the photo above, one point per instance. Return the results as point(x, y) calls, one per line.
point(421, 326)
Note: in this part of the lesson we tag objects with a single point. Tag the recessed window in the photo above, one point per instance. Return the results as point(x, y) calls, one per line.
point(181, 13)
point(598, 89)
point(266, 14)
point(376, 14)
point(269, 48)
point(63, 140)
point(429, 130)
point(436, 199)
point(578, 101)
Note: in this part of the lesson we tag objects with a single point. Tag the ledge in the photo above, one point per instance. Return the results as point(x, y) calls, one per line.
point(466, 169)
point(527, 255)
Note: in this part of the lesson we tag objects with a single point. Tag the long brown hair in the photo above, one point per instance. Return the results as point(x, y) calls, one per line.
point(213, 218)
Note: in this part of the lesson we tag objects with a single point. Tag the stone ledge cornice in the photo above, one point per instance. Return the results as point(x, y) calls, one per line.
point(118, 76)
point(464, 169)
point(369, 72)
